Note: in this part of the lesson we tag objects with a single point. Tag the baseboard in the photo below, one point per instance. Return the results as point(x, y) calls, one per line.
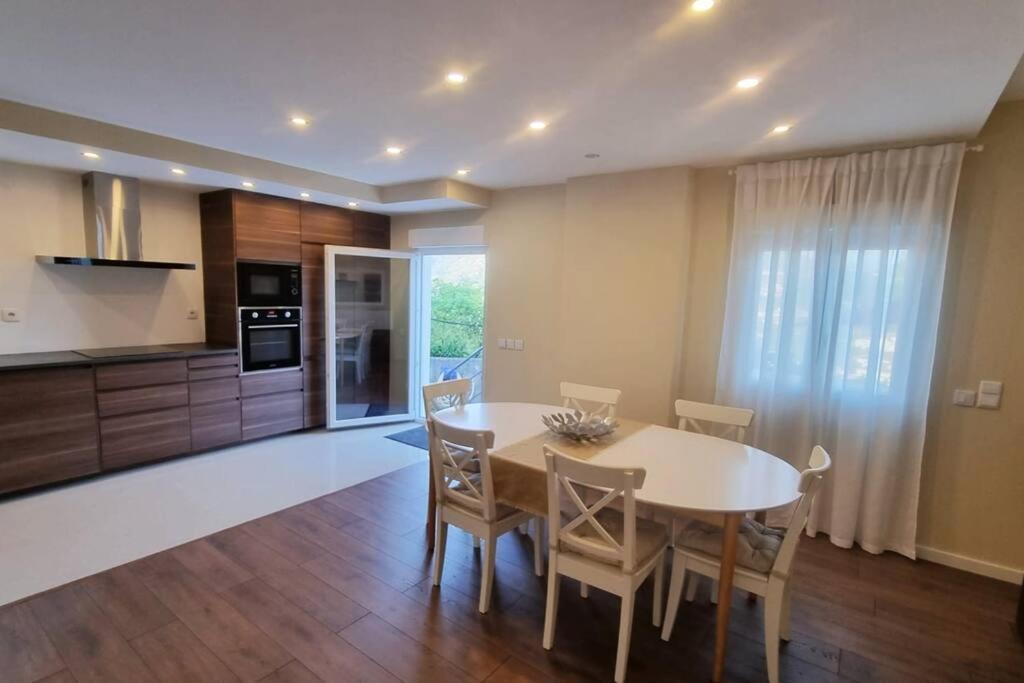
point(970, 564)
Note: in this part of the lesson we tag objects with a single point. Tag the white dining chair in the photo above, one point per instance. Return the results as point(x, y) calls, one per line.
point(600, 546)
point(359, 353)
point(465, 498)
point(588, 399)
point(599, 401)
point(438, 396)
point(764, 559)
point(724, 422)
point(707, 418)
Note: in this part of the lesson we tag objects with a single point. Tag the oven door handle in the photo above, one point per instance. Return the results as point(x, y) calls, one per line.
point(269, 327)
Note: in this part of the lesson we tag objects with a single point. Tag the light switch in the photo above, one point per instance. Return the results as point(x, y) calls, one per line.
point(519, 344)
point(990, 393)
point(963, 397)
point(10, 315)
point(502, 343)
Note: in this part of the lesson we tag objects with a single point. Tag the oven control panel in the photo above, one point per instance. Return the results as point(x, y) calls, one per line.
point(269, 314)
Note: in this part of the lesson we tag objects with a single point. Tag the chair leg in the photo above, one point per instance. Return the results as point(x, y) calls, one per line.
point(442, 540)
point(772, 618)
point(784, 620)
point(625, 631)
point(551, 606)
point(538, 546)
point(431, 512)
point(714, 591)
point(659, 591)
point(675, 589)
point(487, 580)
point(584, 590)
point(691, 587)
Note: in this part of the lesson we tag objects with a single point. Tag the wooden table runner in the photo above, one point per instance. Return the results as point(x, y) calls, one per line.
point(519, 472)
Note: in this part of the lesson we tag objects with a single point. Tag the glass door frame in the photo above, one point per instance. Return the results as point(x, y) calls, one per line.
point(330, 332)
point(424, 309)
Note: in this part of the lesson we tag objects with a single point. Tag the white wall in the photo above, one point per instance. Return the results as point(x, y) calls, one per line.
point(69, 307)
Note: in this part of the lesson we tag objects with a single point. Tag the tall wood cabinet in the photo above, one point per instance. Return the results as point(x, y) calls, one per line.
point(245, 226)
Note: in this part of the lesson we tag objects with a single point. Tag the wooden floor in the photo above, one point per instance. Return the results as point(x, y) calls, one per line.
point(337, 589)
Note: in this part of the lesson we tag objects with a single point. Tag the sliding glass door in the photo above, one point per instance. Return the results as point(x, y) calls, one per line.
point(372, 335)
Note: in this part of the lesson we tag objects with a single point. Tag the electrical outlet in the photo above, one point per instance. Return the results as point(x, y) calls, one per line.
point(990, 392)
point(192, 314)
point(10, 315)
point(963, 397)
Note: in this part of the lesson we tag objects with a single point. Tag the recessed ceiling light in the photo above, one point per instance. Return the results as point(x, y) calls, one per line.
point(178, 171)
point(702, 5)
point(748, 82)
point(394, 151)
point(538, 125)
point(304, 195)
point(462, 171)
point(783, 128)
point(300, 121)
point(248, 184)
point(591, 155)
point(90, 155)
point(353, 204)
point(456, 77)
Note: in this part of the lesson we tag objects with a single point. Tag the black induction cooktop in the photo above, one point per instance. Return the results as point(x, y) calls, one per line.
point(125, 351)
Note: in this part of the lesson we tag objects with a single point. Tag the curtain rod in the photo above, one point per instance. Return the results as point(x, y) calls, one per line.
point(969, 148)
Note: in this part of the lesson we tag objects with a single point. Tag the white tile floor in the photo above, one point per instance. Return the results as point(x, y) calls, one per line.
point(61, 535)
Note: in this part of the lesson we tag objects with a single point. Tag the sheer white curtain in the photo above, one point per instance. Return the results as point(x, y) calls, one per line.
point(835, 284)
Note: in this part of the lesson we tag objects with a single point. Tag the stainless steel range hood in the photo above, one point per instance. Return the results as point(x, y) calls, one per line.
point(113, 226)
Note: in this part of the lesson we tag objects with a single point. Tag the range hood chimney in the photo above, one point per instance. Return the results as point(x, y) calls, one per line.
point(113, 226)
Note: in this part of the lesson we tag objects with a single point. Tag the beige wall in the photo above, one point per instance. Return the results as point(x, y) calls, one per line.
point(972, 493)
point(523, 230)
point(592, 276)
point(68, 307)
point(625, 251)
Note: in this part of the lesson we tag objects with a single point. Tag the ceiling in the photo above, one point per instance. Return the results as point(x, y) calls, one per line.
point(643, 83)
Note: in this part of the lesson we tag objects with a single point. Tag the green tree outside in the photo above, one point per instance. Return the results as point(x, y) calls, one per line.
point(457, 318)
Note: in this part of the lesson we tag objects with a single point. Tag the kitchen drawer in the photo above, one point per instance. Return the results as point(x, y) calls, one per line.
point(147, 373)
point(216, 424)
point(271, 414)
point(213, 372)
point(271, 382)
point(211, 390)
point(132, 439)
point(212, 361)
point(141, 399)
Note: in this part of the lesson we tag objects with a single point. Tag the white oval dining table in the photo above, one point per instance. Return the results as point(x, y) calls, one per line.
point(686, 472)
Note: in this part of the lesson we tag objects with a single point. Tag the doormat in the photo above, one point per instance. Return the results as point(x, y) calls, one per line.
point(416, 437)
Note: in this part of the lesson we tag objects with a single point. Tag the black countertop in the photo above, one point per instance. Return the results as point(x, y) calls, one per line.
point(121, 354)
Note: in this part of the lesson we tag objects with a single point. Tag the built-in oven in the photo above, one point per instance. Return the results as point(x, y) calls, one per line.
point(270, 338)
point(269, 284)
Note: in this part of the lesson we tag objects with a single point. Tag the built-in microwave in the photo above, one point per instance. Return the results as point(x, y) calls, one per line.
point(270, 338)
point(269, 284)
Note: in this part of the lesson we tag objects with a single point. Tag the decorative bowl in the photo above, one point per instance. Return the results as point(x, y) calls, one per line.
point(579, 426)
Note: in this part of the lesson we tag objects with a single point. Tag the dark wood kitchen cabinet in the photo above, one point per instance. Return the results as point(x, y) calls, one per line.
point(272, 403)
point(215, 406)
point(47, 427)
point(143, 411)
point(239, 226)
point(266, 228)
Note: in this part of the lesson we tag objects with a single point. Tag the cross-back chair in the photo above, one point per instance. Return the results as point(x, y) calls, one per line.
point(587, 399)
point(764, 561)
point(598, 545)
point(461, 465)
